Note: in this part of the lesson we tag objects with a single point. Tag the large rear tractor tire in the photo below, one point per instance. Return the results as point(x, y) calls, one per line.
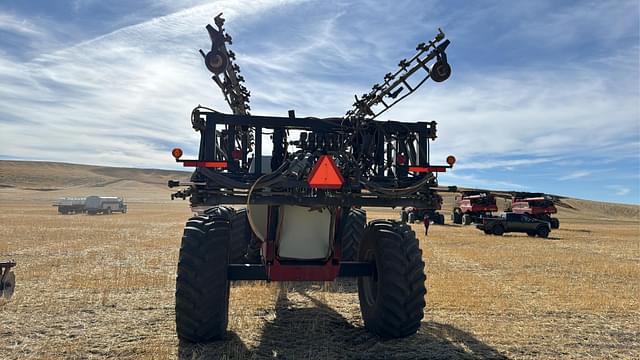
point(352, 232)
point(392, 302)
point(202, 286)
point(240, 230)
point(240, 236)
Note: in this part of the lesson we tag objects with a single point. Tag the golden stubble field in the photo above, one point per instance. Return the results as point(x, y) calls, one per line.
point(102, 286)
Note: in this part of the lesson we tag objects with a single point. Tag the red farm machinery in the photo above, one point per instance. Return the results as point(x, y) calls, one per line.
point(537, 205)
point(283, 198)
point(472, 206)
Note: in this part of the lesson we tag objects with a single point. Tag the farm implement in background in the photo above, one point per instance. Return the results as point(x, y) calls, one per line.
point(537, 205)
point(91, 205)
point(7, 279)
point(71, 205)
point(472, 205)
point(298, 186)
point(412, 214)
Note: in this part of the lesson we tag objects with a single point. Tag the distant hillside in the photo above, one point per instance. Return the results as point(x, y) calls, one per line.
point(597, 209)
point(49, 176)
point(37, 180)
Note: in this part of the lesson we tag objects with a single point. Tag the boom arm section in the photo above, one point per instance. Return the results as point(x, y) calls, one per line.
point(226, 74)
point(396, 86)
point(379, 163)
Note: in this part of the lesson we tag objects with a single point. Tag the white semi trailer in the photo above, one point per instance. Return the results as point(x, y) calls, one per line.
point(70, 205)
point(104, 205)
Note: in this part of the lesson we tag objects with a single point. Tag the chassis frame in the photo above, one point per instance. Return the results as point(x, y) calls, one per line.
point(223, 179)
point(397, 156)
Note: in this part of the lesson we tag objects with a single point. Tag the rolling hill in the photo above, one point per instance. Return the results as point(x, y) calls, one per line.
point(50, 180)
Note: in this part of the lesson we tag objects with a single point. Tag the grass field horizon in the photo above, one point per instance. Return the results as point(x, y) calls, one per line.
point(38, 175)
point(102, 286)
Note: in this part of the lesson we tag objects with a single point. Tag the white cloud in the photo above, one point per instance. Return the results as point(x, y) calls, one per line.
point(575, 175)
point(15, 24)
point(619, 190)
point(121, 99)
point(560, 111)
point(473, 181)
point(507, 164)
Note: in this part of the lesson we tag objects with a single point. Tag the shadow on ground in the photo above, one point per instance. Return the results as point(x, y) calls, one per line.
point(516, 236)
point(319, 332)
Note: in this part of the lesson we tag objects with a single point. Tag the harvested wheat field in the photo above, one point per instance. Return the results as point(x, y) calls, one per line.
point(102, 286)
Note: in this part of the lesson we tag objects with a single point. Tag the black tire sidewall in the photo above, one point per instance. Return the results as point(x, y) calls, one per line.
point(543, 232)
point(352, 233)
point(457, 216)
point(240, 236)
point(202, 286)
point(398, 307)
point(367, 252)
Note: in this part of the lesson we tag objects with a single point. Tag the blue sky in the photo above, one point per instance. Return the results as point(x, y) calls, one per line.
point(544, 95)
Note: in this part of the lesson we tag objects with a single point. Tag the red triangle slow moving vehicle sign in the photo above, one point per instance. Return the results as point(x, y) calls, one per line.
point(325, 174)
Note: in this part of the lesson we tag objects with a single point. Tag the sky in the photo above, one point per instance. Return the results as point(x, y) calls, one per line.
point(544, 95)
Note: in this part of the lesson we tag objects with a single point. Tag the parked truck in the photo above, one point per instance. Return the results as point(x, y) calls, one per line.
point(297, 218)
point(473, 206)
point(536, 205)
point(105, 205)
point(70, 205)
point(512, 222)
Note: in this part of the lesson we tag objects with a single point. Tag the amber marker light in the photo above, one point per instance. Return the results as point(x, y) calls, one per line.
point(451, 160)
point(177, 153)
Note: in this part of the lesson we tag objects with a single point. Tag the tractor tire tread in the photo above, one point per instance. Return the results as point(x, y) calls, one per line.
point(240, 236)
point(400, 302)
point(202, 287)
point(352, 232)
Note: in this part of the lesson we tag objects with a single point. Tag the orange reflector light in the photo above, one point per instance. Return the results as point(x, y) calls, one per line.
point(451, 160)
point(325, 174)
point(176, 152)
